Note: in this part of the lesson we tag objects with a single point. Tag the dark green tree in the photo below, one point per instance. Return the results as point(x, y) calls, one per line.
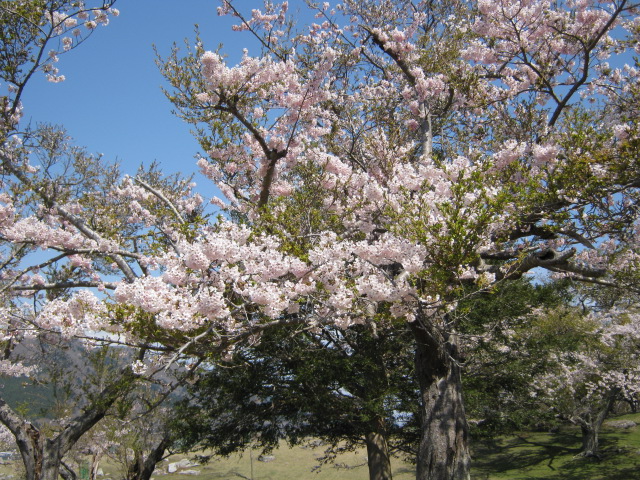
point(498, 372)
point(348, 387)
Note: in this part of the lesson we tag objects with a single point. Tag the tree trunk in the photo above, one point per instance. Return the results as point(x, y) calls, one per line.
point(28, 440)
point(42, 457)
point(95, 465)
point(589, 441)
point(135, 467)
point(591, 427)
point(142, 469)
point(67, 473)
point(378, 453)
point(443, 453)
point(51, 460)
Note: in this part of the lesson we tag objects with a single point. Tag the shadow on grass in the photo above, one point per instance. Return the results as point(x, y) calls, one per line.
point(403, 470)
point(554, 456)
point(523, 452)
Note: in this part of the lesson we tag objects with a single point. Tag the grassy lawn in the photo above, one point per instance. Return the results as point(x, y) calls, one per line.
point(531, 456)
point(527, 456)
point(294, 464)
point(289, 464)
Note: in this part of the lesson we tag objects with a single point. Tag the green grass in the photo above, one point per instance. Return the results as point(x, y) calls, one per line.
point(527, 456)
point(294, 464)
point(533, 456)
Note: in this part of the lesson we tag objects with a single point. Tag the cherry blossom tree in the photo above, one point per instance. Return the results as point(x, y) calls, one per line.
point(135, 438)
point(394, 152)
point(46, 184)
point(376, 165)
point(585, 379)
point(33, 36)
point(564, 361)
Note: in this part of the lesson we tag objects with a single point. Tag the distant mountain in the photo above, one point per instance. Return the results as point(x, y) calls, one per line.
point(23, 396)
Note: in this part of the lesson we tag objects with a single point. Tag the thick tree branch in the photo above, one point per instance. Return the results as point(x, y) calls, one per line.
point(546, 258)
point(82, 421)
point(63, 285)
point(394, 56)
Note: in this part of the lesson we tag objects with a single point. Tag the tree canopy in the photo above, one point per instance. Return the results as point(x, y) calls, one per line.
point(378, 166)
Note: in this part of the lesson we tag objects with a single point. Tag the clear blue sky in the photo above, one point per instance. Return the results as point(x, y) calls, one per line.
point(111, 101)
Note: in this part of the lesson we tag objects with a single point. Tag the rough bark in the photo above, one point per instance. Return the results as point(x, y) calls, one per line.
point(42, 457)
point(589, 441)
point(28, 440)
point(591, 427)
point(51, 460)
point(443, 453)
point(378, 453)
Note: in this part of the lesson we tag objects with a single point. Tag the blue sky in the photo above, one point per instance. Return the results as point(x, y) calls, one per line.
point(111, 101)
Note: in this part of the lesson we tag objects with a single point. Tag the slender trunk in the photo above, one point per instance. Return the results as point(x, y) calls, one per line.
point(443, 453)
point(135, 467)
point(142, 469)
point(95, 465)
point(30, 450)
point(67, 473)
point(153, 458)
point(378, 453)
